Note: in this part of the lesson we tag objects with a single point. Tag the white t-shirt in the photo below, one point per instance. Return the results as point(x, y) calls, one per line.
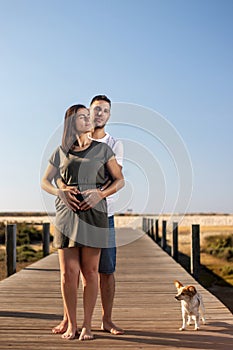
point(117, 147)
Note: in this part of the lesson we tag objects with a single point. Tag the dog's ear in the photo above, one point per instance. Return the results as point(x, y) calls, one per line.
point(192, 290)
point(178, 284)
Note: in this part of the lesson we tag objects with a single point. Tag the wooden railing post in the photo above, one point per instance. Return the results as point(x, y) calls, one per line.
point(152, 229)
point(148, 226)
point(11, 249)
point(174, 248)
point(157, 231)
point(195, 251)
point(164, 234)
point(46, 238)
point(144, 224)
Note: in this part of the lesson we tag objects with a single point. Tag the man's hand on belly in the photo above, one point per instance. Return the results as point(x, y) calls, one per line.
point(91, 198)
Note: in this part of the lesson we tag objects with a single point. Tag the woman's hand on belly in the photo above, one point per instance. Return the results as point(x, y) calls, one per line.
point(68, 196)
point(91, 198)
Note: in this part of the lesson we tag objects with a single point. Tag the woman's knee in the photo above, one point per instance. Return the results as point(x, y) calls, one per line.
point(90, 273)
point(69, 276)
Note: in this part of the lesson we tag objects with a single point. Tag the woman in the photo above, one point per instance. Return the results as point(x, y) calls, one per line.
point(85, 166)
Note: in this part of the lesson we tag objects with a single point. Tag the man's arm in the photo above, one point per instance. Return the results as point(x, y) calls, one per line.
point(118, 149)
point(93, 196)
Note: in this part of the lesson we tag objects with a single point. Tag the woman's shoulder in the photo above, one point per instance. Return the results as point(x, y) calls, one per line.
point(57, 156)
point(58, 149)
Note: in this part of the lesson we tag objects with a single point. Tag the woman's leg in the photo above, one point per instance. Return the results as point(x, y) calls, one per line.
point(70, 269)
point(62, 326)
point(89, 266)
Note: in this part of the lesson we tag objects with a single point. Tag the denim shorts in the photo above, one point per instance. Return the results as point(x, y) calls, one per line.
point(107, 262)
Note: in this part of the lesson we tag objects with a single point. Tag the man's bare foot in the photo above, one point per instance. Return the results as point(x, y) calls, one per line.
point(60, 328)
point(86, 334)
point(70, 334)
point(112, 328)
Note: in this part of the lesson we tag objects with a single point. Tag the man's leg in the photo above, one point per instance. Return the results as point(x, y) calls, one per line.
point(107, 283)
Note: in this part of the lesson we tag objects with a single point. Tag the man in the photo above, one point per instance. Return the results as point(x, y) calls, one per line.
point(100, 107)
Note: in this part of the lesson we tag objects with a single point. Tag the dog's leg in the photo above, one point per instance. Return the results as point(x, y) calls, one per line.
point(189, 320)
point(196, 320)
point(202, 311)
point(184, 318)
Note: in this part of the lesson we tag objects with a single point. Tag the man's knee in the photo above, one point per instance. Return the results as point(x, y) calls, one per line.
point(107, 279)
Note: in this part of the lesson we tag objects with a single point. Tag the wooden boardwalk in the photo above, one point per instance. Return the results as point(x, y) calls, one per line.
point(30, 304)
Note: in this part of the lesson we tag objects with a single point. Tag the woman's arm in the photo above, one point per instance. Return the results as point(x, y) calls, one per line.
point(92, 197)
point(46, 184)
point(48, 177)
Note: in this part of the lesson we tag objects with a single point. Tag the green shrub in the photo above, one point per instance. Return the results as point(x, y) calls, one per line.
point(220, 246)
point(25, 253)
point(22, 239)
point(227, 254)
point(27, 234)
point(35, 236)
point(2, 233)
point(227, 270)
point(2, 255)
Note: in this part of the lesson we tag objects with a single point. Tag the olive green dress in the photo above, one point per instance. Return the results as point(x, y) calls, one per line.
point(86, 170)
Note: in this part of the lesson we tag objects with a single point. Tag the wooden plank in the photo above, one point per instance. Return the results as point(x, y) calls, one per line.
point(144, 305)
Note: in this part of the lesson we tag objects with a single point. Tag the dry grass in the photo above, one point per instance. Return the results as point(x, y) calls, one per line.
point(3, 270)
point(19, 265)
point(214, 264)
point(213, 273)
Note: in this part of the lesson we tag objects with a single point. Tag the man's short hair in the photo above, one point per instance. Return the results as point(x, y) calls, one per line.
point(100, 98)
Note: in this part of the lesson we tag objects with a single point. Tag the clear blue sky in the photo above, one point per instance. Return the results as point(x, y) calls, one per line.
point(170, 56)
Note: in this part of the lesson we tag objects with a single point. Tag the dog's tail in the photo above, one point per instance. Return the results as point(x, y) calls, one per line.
point(202, 308)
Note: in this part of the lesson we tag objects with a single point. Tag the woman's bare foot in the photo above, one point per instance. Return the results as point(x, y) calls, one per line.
point(112, 328)
point(86, 334)
point(60, 328)
point(70, 334)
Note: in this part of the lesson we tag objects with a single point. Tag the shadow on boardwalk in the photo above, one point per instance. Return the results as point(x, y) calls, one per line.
point(32, 315)
point(185, 340)
point(144, 306)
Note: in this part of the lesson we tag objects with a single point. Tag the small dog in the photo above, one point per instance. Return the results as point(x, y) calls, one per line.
point(191, 302)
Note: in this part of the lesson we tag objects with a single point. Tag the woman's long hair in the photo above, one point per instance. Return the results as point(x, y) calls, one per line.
point(69, 131)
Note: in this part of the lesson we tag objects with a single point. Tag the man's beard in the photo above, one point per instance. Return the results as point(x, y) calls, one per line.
point(100, 126)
